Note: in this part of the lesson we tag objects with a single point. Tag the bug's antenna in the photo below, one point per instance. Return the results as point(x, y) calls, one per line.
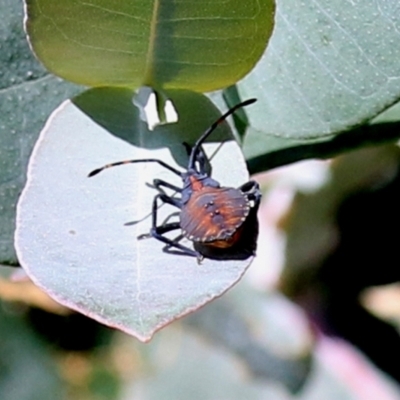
point(207, 133)
point(162, 163)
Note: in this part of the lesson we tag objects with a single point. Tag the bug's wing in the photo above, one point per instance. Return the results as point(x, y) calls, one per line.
point(214, 214)
point(241, 246)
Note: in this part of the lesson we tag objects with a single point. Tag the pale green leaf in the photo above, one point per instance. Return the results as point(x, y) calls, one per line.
point(77, 237)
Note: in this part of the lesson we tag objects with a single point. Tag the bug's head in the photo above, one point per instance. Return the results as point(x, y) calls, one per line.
point(196, 148)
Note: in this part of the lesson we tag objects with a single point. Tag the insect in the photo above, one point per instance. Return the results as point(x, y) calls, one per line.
point(220, 221)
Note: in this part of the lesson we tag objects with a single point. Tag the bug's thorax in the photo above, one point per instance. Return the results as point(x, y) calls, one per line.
point(196, 182)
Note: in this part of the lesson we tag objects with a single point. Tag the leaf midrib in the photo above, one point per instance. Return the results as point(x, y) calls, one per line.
point(149, 67)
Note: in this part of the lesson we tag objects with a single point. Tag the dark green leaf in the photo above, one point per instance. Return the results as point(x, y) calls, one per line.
point(286, 151)
point(27, 96)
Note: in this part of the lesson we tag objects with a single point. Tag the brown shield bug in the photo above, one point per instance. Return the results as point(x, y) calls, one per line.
point(220, 221)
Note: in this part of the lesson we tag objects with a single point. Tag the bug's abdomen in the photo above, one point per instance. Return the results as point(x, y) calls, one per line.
point(214, 214)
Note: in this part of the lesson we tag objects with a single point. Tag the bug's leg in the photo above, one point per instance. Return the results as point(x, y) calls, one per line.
point(158, 183)
point(249, 187)
point(170, 200)
point(252, 190)
point(158, 231)
point(170, 226)
point(165, 199)
point(200, 158)
point(174, 214)
point(166, 227)
point(171, 243)
point(183, 250)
